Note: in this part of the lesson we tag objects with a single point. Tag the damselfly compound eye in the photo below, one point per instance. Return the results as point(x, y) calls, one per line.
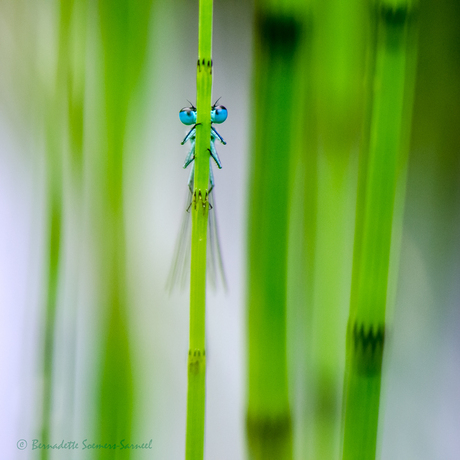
point(219, 114)
point(188, 116)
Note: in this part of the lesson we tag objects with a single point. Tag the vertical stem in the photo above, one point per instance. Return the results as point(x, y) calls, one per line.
point(197, 355)
point(54, 128)
point(280, 29)
point(124, 32)
point(382, 169)
point(337, 67)
point(55, 224)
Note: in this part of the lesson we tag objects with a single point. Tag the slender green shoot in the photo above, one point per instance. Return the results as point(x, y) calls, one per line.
point(280, 28)
point(196, 391)
point(54, 112)
point(382, 168)
point(54, 241)
point(124, 32)
point(338, 54)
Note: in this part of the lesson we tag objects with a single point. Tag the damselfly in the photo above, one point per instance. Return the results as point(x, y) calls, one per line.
point(180, 269)
point(188, 117)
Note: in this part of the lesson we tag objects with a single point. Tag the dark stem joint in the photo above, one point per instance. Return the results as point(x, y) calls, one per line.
point(368, 343)
point(368, 337)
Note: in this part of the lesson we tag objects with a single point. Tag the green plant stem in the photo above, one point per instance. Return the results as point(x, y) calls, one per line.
point(124, 31)
point(55, 224)
point(280, 28)
point(382, 168)
point(338, 57)
point(54, 128)
point(196, 392)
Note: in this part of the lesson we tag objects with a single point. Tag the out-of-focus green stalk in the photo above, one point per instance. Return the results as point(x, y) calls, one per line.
point(279, 28)
point(382, 168)
point(78, 48)
point(196, 391)
point(54, 242)
point(124, 27)
point(337, 62)
point(55, 129)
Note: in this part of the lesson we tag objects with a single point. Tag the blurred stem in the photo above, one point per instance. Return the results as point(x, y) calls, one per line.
point(328, 322)
point(280, 27)
point(55, 214)
point(124, 31)
point(54, 128)
point(76, 83)
point(196, 392)
point(337, 65)
point(382, 168)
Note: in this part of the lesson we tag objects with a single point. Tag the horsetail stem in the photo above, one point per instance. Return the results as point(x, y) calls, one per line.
point(382, 169)
point(196, 392)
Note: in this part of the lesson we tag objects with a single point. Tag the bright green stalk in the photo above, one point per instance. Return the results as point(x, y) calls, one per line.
point(124, 27)
point(337, 64)
point(54, 241)
point(76, 86)
point(382, 168)
point(280, 27)
point(54, 129)
point(196, 392)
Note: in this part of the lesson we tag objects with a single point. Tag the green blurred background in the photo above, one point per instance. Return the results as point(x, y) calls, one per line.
point(89, 100)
